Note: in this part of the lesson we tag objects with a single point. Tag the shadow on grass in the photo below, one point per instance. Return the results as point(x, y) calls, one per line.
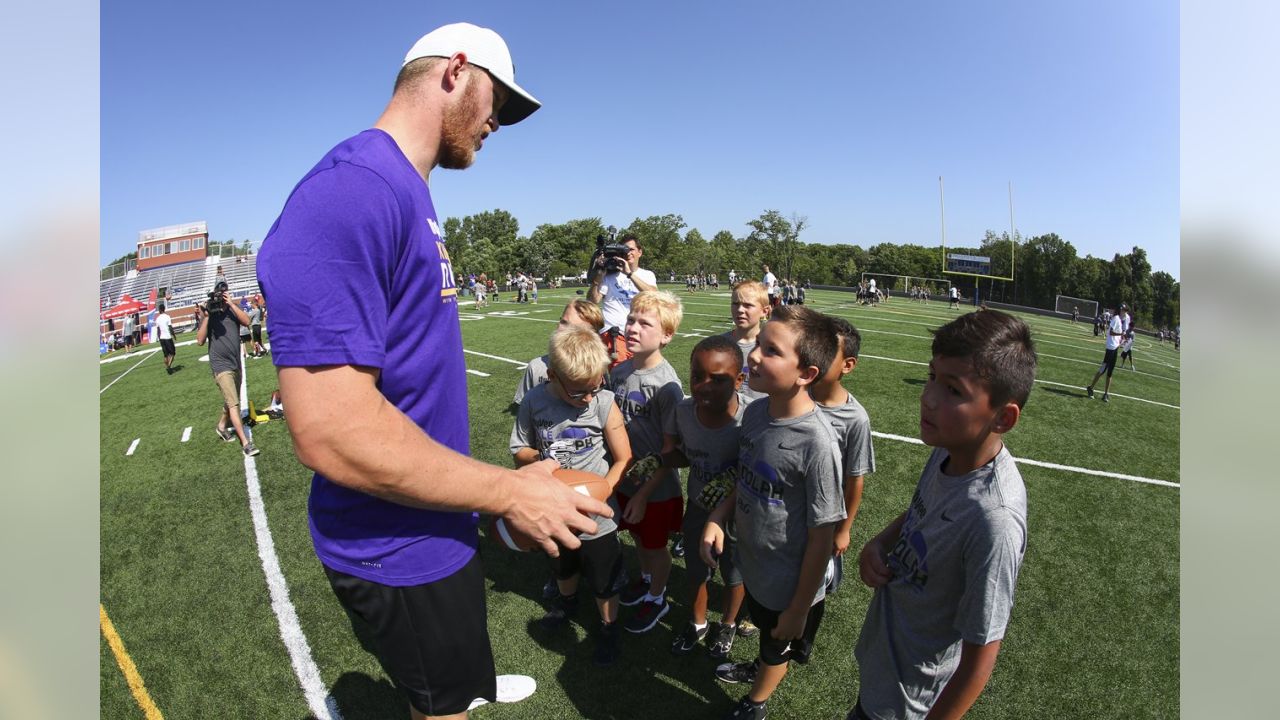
point(360, 697)
point(913, 381)
point(1064, 393)
point(646, 674)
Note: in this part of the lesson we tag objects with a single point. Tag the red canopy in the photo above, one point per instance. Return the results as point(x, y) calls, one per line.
point(126, 306)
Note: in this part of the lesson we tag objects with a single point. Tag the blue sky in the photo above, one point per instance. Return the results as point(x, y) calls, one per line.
point(846, 113)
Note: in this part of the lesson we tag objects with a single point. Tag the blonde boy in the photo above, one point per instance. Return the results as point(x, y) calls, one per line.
point(749, 307)
point(647, 391)
point(571, 418)
point(577, 312)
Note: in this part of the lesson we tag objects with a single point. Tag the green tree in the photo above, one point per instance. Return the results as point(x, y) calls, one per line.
point(770, 239)
point(659, 235)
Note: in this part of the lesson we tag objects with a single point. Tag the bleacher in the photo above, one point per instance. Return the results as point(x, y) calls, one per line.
point(187, 284)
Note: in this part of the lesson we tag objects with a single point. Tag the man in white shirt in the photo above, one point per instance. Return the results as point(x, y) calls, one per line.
point(955, 297)
point(1115, 335)
point(164, 329)
point(771, 285)
point(613, 284)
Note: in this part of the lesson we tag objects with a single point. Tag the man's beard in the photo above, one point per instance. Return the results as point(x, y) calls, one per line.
point(457, 138)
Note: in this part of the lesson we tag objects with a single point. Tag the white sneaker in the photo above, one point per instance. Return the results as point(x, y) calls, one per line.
point(511, 689)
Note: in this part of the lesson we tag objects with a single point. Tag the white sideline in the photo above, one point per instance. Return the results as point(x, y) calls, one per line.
point(496, 357)
point(320, 702)
point(126, 372)
point(1053, 466)
point(477, 372)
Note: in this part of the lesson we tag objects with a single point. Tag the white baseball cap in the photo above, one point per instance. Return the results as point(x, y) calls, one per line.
point(486, 49)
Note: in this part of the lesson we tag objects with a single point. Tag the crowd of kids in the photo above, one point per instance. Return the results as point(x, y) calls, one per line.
point(776, 450)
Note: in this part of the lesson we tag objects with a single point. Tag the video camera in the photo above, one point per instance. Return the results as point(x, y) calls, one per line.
point(216, 300)
point(614, 254)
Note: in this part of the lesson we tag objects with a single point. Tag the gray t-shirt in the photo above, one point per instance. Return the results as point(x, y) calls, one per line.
point(746, 394)
point(573, 436)
point(955, 567)
point(788, 482)
point(255, 315)
point(852, 427)
point(224, 342)
point(712, 454)
point(535, 374)
point(648, 399)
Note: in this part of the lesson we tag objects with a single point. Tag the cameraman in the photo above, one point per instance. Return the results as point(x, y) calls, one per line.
point(219, 321)
point(614, 281)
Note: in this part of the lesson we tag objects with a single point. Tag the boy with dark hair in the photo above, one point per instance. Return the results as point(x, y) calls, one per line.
point(945, 571)
point(705, 428)
point(786, 504)
point(852, 428)
point(571, 419)
point(647, 391)
point(164, 330)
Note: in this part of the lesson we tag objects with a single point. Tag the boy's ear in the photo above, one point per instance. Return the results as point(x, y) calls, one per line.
point(1006, 417)
point(849, 364)
point(738, 380)
point(809, 375)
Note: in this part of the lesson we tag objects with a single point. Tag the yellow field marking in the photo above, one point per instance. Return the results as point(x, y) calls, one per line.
point(131, 676)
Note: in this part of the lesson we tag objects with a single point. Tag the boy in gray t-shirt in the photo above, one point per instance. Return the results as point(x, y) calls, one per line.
point(852, 428)
point(577, 312)
point(945, 571)
point(647, 391)
point(786, 503)
point(705, 429)
point(571, 419)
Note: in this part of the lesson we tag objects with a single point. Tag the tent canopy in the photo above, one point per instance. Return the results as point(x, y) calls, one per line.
point(126, 306)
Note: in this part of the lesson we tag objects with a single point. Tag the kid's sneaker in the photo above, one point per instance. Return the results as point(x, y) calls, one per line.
point(686, 641)
point(226, 435)
point(634, 592)
point(743, 672)
point(606, 652)
point(648, 615)
point(747, 629)
point(747, 710)
point(558, 614)
point(722, 641)
point(250, 450)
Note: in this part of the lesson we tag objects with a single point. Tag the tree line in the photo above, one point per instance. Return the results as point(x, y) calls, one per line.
point(1043, 266)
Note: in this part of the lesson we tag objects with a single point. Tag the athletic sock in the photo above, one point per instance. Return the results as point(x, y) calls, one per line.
point(698, 627)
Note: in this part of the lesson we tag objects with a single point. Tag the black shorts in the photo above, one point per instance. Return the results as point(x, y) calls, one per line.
point(778, 652)
point(695, 521)
point(166, 347)
point(1109, 362)
point(432, 639)
point(857, 713)
point(256, 333)
point(600, 560)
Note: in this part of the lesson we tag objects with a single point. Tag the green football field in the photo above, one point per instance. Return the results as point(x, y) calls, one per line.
point(209, 580)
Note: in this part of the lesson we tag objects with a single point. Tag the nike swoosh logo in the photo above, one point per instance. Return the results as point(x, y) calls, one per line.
point(945, 518)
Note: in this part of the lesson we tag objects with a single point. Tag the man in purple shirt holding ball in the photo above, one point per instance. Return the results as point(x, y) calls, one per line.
point(365, 334)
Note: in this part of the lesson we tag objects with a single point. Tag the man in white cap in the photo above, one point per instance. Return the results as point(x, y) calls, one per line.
point(365, 333)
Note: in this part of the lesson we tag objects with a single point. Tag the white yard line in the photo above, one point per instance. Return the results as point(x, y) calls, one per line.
point(133, 446)
point(522, 364)
point(186, 434)
point(319, 701)
point(126, 372)
point(1053, 466)
point(1043, 382)
point(477, 373)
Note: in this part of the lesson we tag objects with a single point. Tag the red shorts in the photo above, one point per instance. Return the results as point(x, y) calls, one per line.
point(661, 518)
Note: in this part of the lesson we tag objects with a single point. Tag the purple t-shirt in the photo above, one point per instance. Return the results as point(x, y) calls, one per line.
point(356, 273)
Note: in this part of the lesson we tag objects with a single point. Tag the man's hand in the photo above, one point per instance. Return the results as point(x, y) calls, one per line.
point(790, 624)
point(636, 507)
point(548, 511)
point(871, 565)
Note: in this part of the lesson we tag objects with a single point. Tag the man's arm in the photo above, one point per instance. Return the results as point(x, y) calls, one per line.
point(345, 429)
point(964, 687)
point(640, 283)
point(817, 553)
point(596, 278)
point(202, 321)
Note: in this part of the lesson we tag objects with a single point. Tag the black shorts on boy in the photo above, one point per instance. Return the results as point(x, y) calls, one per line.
point(432, 639)
point(599, 561)
point(778, 652)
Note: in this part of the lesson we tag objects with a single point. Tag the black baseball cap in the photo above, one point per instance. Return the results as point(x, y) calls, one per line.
point(220, 286)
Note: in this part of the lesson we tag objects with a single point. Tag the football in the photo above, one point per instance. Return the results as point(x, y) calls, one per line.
point(581, 481)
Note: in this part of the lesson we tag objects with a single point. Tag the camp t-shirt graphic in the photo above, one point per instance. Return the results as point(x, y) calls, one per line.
point(909, 559)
